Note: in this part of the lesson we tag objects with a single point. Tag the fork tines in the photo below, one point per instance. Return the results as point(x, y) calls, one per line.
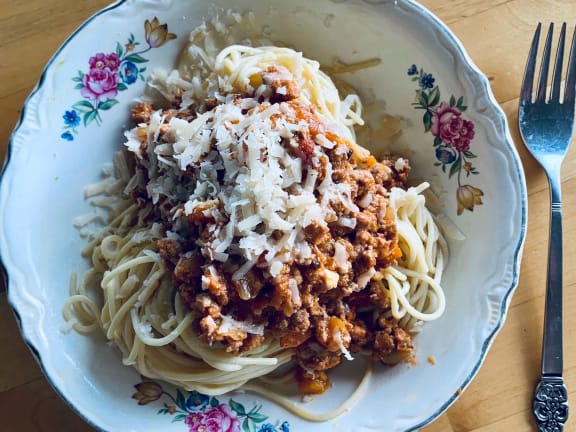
point(527, 84)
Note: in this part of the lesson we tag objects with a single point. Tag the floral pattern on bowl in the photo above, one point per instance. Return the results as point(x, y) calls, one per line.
point(110, 73)
point(452, 133)
point(202, 413)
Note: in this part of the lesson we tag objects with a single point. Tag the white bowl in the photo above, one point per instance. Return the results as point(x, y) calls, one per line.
point(42, 193)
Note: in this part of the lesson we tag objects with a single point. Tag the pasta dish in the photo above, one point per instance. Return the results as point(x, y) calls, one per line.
point(250, 239)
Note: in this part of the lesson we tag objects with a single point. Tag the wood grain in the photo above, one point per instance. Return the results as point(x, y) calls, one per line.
point(496, 34)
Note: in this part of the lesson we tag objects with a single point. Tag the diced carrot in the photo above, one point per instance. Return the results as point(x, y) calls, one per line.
point(313, 384)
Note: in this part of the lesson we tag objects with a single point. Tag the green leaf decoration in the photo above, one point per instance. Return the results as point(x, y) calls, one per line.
point(434, 96)
point(84, 106)
point(427, 120)
point(452, 101)
point(135, 58)
point(108, 104)
point(179, 417)
point(78, 86)
point(456, 166)
point(469, 154)
point(119, 50)
point(214, 402)
point(180, 400)
point(423, 99)
point(90, 116)
point(122, 87)
point(257, 417)
point(246, 425)
point(437, 141)
point(255, 409)
point(237, 407)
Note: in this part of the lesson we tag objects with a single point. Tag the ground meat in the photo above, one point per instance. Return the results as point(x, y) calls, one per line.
point(366, 220)
point(207, 212)
point(392, 344)
point(293, 339)
point(234, 340)
point(187, 293)
point(209, 327)
point(281, 299)
point(361, 336)
point(334, 307)
point(251, 342)
point(304, 147)
point(207, 305)
point(188, 269)
point(300, 321)
point(141, 112)
point(382, 173)
point(397, 177)
point(312, 356)
point(363, 179)
point(214, 281)
point(169, 251)
point(378, 297)
point(280, 84)
point(317, 233)
point(340, 158)
point(311, 303)
point(332, 333)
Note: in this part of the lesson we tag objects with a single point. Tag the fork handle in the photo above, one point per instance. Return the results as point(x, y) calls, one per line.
point(552, 354)
point(550, 406)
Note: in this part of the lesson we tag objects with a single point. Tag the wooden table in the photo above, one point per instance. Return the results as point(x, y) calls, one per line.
point(496, 34)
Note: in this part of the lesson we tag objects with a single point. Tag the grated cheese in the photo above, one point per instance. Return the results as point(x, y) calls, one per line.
point(229, 323)
point(338, 338)
point(239, 157)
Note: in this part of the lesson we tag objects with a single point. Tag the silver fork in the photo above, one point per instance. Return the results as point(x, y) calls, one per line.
point(546, 126)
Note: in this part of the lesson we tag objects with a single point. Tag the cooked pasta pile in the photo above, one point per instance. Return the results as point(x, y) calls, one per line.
point(250, 238)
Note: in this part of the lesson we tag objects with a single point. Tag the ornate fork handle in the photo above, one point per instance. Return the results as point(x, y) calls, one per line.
point(550, 405)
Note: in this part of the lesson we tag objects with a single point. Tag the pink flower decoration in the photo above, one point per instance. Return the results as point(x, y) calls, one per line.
point(112, 61)
point(466, 131)
point(100, 84)
point(101, 61)
point(214, 419)
point(451, 128)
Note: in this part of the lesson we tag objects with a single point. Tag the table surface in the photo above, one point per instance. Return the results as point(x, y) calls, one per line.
point(496, 34)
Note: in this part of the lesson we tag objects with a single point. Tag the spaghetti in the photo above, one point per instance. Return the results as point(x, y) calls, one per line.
point(250, 238)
